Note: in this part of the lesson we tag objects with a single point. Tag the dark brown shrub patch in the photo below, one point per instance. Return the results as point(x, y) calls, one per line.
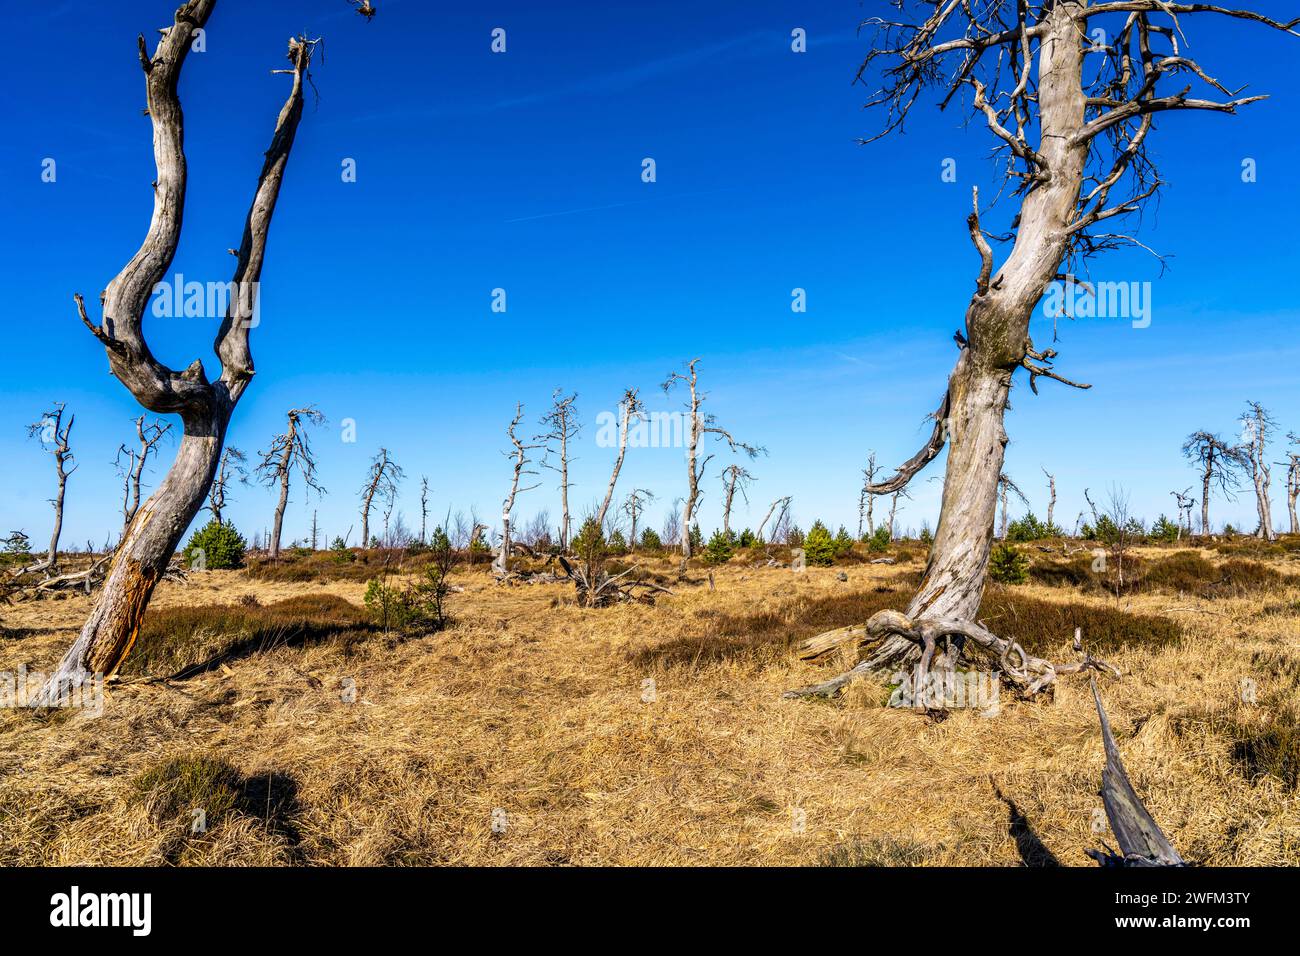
point(183, 641)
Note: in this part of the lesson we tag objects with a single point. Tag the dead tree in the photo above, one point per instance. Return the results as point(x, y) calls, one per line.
point(1220, 464)
point(148, 437)
point(893, 509)
point(1292, 481)
point(289, 450)
point(424, 508)
point(55, 435)
point(1005, 484)
point(734, 479)
point(1051, 498)
point(233, 465)
point(866, 500)
point(1073, 141)
point(784, 505)
point(381, 483)
point(205, 407)
point(1184, 503)
point(630, 410)
point(1257, 428)
point(564, 426)
point(700, 424)
point(519, 454)
point(633, 505)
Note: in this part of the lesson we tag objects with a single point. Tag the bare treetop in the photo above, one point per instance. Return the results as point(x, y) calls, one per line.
point(986, 53)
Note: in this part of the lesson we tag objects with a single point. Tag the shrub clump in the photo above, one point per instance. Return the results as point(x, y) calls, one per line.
point(819, 546)
point(719, 550)
point(214, 547)
point(1008, 566)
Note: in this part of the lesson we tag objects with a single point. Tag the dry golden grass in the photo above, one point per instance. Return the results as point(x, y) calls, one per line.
point(534, 706)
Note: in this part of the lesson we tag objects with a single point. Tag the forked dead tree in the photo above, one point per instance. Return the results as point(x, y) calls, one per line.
point(1184, 503)
point(784, 505)
point(630, 411)
point(866, 500)
point(893, 510)
point(233, 467)
point(132, 468)
point(55, 436)
point(289, 450)
point(1220, 464)
point(699, 424)
point(1257, 429)
point(734, 479)
point(633, 505)
point(564, 426)
point(1292, 481)
point(204, 406)
point(1074, 145)
point(1005, 484)
point(381, 483)
point(519, 454)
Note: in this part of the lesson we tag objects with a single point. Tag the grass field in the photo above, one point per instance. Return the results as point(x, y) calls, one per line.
point(307, 734)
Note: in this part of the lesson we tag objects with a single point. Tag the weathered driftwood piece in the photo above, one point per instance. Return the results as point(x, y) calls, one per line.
point(596, 588)
point(1141, 841)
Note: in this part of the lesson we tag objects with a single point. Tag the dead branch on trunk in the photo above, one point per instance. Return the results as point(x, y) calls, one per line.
point(55, 435)
point(204, 406)
point(289, 450)
point(381, 483)
point(500, 566)
point(564, 426)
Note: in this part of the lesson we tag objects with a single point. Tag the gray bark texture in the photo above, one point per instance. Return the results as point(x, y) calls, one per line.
point(204, 406)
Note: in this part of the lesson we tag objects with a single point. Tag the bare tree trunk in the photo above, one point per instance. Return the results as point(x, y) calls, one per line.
point(1051, 499)
point(631, 410)
point(500, 566)
point(278, 523)
point(1205, 497)
point(424, 509)
point(204, 407)
point(52, 431)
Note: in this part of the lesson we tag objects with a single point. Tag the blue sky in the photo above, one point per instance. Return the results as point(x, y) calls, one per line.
point(522, 171)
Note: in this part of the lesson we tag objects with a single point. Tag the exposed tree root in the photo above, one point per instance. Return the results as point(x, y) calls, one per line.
point(933, 646)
